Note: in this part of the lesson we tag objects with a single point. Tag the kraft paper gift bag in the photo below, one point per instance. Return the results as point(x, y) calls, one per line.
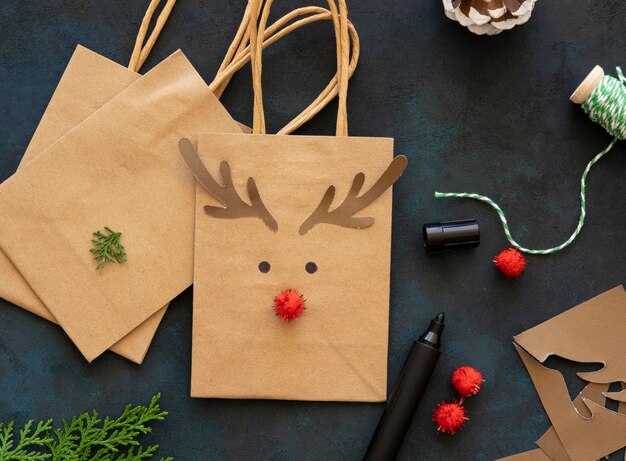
point(285, 223)
point(118, 168)
point(89, 81)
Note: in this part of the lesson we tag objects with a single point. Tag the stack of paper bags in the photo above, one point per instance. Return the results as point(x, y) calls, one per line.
point(89, 81)
point(116, 168)
point(593, 332)
point(105, 155)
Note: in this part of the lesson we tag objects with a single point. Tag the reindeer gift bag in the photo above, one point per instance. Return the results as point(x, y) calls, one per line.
point(292, 257)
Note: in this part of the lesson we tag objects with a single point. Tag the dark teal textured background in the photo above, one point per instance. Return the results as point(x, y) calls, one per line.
point(481, 114)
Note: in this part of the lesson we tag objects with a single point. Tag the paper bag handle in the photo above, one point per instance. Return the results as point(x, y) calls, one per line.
point(257, 33)
point(238, 55)
point(141, 50)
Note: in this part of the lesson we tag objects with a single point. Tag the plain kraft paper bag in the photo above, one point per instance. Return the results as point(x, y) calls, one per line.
point(126, 174)
point(337, 349)
point(89, 81)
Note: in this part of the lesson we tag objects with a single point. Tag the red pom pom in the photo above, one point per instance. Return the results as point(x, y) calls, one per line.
point(449, 417)
point(289, 305)
point(467, 381)
point(511, 263)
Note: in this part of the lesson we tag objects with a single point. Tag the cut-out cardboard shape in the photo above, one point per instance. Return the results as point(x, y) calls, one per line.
point(593, 332)
point(550, 442)
point(585, 438)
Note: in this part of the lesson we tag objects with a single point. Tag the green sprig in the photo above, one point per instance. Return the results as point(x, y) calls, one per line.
point(107, 248)
point(86, 437)
point(38, 439)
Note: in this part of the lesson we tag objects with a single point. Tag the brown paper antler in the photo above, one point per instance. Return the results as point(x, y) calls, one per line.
point(343, 215)
point(234, 206)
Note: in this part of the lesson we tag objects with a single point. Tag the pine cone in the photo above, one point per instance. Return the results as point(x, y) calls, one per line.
point(489, 16)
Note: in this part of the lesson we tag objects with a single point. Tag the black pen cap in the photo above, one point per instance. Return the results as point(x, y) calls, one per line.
point(450, 235)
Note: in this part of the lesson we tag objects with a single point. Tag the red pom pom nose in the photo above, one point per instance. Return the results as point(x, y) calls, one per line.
point(289, 305)
point(449, 417)
point(467, 381)
point(511, 263)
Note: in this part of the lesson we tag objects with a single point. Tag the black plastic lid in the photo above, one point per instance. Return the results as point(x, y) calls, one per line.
point(451, 235)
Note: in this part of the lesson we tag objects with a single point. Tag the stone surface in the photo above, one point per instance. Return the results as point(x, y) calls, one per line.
point(482, 114)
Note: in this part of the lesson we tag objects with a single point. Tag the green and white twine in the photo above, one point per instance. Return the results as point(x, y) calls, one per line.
point(606, 106)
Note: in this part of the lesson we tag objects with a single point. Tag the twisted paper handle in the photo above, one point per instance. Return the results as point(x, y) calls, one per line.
point(256, 33)
point(141, 50)
point(238, 53)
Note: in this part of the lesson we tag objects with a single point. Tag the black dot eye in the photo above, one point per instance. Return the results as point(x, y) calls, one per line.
point(264, 267)
point(311, 267)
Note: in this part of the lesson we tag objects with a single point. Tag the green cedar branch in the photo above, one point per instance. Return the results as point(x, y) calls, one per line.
point(107, 248)
point(86, 437)
point(28, 442)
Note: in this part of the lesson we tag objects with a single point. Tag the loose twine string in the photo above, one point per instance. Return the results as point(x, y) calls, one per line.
point(238, 53)
point(606, 106)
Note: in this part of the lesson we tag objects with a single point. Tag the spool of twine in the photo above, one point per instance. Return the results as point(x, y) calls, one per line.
point(603, 98)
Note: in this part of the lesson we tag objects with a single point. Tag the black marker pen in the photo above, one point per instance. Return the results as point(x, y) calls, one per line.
point(407, 394)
